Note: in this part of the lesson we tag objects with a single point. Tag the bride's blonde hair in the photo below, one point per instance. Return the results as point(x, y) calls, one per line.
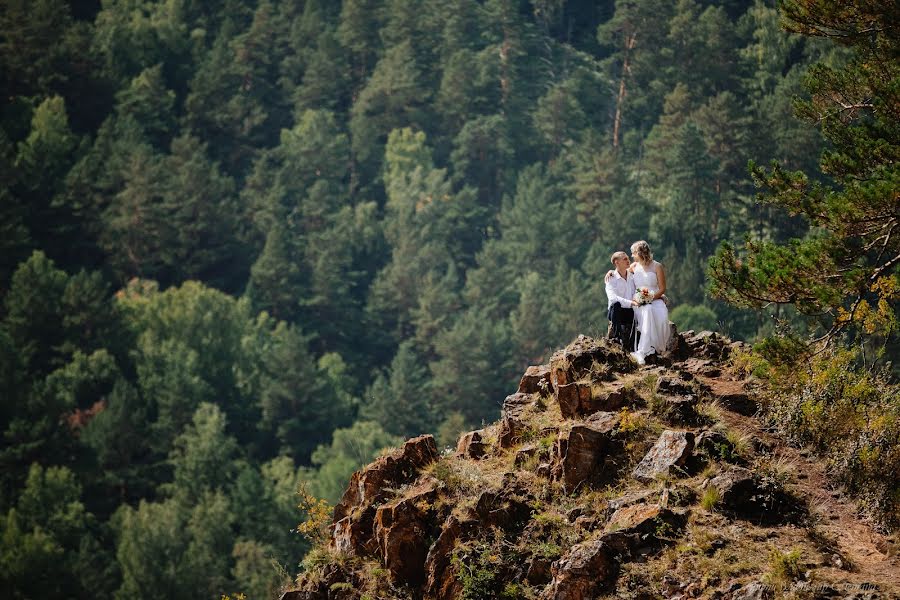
point(641, 249)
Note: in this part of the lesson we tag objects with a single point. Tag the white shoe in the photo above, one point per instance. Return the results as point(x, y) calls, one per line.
point(638, 358)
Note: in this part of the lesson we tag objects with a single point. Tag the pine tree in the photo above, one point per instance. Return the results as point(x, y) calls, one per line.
point(401, 399)
point(846, 274)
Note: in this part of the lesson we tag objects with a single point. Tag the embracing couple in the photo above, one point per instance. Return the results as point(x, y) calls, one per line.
point(637, 311)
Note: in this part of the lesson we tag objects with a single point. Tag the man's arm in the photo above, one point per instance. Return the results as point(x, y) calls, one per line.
point(613, 295)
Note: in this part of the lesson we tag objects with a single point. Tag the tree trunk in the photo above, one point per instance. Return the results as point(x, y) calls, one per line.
point(629, 45)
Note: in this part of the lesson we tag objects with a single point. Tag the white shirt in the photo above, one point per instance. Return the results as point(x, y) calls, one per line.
point(620, 289)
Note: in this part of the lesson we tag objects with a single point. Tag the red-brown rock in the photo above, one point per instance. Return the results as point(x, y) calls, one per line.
point(441, 582)
point(577, 361)
point(642, 528)
point(353, 515)
point(511, 424)
point(581, 454)
point(587, 569)
point(582, 399)
point(536, 380)
point(671, 451)
point(401, 530)
point(572, 397)
point(472, 444)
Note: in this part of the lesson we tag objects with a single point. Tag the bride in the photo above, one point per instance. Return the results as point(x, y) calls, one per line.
point(653, 318)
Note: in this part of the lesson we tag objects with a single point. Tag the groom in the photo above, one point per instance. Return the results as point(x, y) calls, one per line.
point(620, 301)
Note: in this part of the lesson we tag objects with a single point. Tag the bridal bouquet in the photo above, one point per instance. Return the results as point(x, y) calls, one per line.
point(643, 296)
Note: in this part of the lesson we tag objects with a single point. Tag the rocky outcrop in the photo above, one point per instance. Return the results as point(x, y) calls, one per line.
point(536, 380)
point(520, 507)
point(583, 454)
point(507, 508)
point(669, 455)
point(706, 344)
point(584, 572)
point(441, 582)
point(745, 495)
point(472, 444)
point(582, 399)
point(354, 514)
point(401, 528)
point(642, 528)
point(677, 400)
point(586, 358)
point(511, 419)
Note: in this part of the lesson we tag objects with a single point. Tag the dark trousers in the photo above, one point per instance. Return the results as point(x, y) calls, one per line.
point(621, 321)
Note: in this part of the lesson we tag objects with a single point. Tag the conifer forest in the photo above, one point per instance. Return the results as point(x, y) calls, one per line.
point(246, 245)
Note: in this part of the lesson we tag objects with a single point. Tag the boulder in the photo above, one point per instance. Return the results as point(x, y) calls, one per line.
point(441, 582)
point(582, 399)
point(745, 495)
point(583, 455)
point(586, 570)
point(677, 400)
point(605, 421)
point(706, 344)
point(515, 405)
point(577, 361)
point(353, 534)
point(638, 497)
point(701, 366)
point(401, 528)
point(511, 419)
point(642, 528)
point(716, 446)
point(354, 514)
point(738, 401)
point(536, 380)
point(507, 509)
point(472, 444)
point(571, 397)
point(670, 453)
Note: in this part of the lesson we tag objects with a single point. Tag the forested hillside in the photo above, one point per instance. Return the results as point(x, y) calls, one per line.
point(248, 244)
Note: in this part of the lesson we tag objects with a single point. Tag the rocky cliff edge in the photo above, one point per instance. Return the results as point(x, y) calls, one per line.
point(603, 479)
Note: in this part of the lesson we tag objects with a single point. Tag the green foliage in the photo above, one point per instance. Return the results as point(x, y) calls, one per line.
point(695, 317)
point(477, 571)
point(350, 449)
point(849, 413)
point(203, 456)
point(710, 498)
point(381, 211)
point(844, 273)
point(784, 567)
point(44, 533)
point(400, 400)
point(167, 548)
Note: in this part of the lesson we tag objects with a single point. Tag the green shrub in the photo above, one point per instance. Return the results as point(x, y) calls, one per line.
point(850, 415)
point(710, 498)
point(694, 316)
point(784, 567)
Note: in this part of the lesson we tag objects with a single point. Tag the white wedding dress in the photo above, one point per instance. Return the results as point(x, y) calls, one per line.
point(652, 319)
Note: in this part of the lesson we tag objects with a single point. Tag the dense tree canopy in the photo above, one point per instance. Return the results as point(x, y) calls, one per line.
point(249, 243)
